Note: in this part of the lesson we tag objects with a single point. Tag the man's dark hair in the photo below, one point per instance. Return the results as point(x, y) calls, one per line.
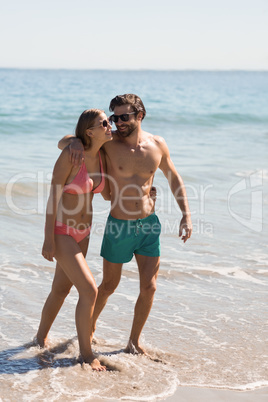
point(128, 99)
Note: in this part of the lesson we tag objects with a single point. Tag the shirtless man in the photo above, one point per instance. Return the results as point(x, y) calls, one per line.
point(132, 226)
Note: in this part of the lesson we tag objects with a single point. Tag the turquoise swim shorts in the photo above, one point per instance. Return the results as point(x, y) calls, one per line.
point(123, 238)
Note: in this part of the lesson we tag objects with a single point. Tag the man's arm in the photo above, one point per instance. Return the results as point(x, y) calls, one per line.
point(76, 154)
point(178, 189)
point(106, 192)
point(65, 141)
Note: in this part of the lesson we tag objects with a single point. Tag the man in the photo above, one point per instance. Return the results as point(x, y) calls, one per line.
point(132, 226)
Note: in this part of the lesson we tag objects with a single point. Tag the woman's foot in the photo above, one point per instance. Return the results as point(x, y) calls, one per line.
point(94, 363)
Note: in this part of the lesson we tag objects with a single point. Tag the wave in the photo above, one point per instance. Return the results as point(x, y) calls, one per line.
point(210, 119)
point(29, 189)
point(259, 174)
point(49, 373)
point(65, 125)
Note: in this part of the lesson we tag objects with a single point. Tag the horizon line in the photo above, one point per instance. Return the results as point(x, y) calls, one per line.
point(138, 69)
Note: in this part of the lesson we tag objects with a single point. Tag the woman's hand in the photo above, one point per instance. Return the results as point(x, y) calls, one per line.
point(48, 250)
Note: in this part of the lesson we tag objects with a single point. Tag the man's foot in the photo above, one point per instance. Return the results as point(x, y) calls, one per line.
point(39, 342)
point(91, 339)
point(135, 349)
point(94, 363)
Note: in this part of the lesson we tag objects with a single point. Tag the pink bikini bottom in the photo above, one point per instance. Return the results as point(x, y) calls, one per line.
point(77, 234)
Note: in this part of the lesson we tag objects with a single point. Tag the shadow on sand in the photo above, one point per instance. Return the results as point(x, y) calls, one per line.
point(44, 358)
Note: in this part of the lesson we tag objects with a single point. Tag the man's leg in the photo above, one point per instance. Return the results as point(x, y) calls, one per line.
point(148, 270)
point(111, 278)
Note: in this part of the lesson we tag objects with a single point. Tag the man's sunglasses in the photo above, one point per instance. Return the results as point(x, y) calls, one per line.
point(104, 123)
point(124, 117)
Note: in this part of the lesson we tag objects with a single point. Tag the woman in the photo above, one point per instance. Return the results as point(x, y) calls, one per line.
point(68, 222)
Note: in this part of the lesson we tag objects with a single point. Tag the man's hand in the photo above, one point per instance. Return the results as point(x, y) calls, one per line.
point(186, 228)
point(76, 149)
point(153, 193)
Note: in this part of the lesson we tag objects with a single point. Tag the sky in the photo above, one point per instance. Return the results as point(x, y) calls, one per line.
point(137, 34)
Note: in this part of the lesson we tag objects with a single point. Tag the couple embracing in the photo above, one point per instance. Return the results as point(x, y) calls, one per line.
point(120, 165)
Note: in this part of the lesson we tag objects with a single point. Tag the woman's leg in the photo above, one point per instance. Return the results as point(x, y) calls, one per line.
point(60, 289)
point(73, 263)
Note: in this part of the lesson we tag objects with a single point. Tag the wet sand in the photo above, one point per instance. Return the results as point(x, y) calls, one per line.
point(194, 394)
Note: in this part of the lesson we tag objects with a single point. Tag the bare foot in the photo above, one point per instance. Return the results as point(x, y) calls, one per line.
point(39, 342)
point(134, 349)
point(94, 363)
point(93, 341)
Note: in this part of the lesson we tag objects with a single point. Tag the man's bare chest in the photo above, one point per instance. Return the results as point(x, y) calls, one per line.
point(129, 162)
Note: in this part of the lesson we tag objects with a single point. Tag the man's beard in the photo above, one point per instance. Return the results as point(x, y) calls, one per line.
point(127, 131)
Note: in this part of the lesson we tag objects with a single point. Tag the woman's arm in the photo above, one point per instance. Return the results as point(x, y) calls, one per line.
point(61, 171)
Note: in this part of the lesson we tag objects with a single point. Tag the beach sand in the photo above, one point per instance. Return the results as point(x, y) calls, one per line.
point(197, 394)
point(194, 394)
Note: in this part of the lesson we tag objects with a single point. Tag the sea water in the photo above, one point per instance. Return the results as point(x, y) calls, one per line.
point(208, 324)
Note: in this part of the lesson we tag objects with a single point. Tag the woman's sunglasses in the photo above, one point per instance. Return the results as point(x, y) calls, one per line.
point(104, 123)
point(124, 117)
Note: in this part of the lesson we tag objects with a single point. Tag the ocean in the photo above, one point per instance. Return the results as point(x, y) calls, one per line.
point(208, 324)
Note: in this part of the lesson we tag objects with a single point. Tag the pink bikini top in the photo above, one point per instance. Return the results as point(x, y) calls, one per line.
point(82, 183)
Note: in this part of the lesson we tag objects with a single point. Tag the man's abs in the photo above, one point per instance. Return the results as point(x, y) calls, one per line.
point(123, 207)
